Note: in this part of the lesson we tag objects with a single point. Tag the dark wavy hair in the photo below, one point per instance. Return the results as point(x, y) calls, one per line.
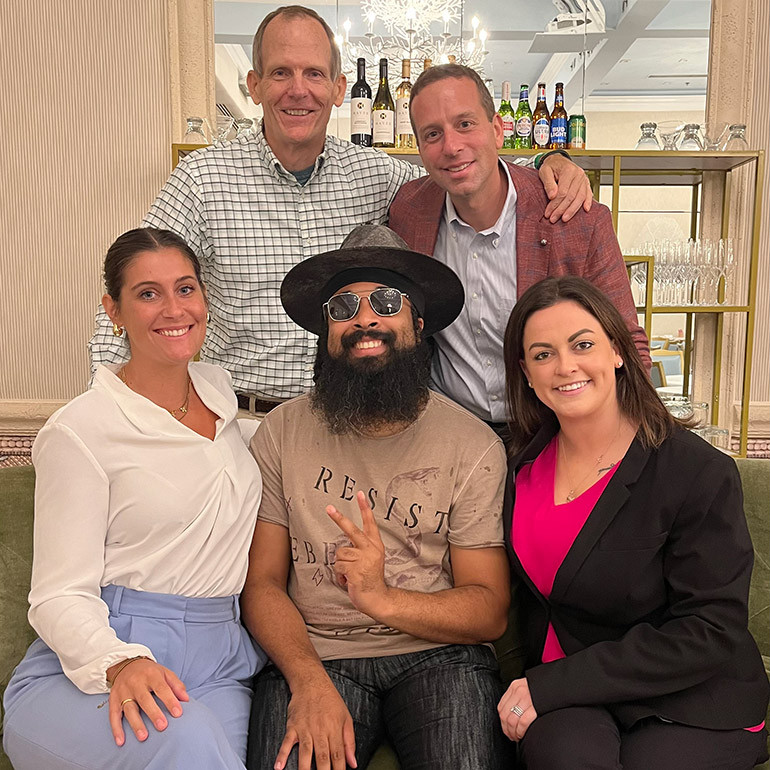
point(127, 246)
point(637, 398)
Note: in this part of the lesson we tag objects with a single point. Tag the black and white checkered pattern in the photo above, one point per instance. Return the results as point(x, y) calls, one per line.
point(250, 222)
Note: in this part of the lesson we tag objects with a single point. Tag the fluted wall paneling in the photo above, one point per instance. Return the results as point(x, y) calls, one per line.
point(85, 90)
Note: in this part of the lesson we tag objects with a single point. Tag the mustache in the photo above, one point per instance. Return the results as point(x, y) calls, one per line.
point(352, 339)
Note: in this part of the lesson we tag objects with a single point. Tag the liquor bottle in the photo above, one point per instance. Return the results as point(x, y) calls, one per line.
point(541, 121)
point(559, 120)
point(506, 113)
point(522, 139)
point(404, 135)
point(427, 64)
point(383, 112)
point(361, 109)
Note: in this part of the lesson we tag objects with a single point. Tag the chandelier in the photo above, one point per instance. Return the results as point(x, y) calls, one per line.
point(415, 30)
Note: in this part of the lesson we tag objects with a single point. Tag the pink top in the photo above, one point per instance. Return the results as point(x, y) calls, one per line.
point(543, 532)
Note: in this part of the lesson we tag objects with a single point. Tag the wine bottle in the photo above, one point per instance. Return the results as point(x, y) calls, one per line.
point(405, 139)
point(361, 109)
point(383, 111)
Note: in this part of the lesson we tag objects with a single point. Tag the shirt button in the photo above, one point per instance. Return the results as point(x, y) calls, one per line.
point(489, 363)
point(475, 255)
point(474, 295)
point(478, 331)
point(543, 242)
point(493, 398)
point(495, 242)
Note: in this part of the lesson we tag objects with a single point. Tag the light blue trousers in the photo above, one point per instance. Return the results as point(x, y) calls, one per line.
point(51, 724)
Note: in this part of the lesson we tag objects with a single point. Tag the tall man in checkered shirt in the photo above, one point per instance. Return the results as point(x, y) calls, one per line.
point(253, 208)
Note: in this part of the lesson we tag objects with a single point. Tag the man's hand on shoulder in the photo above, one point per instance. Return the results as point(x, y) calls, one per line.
point(566, 186)
point(319, 721)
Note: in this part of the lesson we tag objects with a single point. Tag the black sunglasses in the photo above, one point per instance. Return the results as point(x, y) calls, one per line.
point(383, 301)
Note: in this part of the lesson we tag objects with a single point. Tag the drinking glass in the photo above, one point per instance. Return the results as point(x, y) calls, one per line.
point(648, 140)
point(736, 142)
point(691, 139)
point(715, 136)
point(195, 132)
point(243, 126)
point(225, 128)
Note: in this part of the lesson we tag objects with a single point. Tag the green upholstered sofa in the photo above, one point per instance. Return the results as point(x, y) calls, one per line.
point(16, 492)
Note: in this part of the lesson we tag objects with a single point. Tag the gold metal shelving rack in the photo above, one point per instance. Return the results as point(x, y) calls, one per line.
point(683, 169)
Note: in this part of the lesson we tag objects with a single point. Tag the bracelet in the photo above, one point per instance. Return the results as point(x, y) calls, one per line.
point(121, 666)
point(543, 155)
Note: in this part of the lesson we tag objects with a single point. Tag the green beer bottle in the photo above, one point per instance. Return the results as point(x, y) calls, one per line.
point(522, 139)
point(506, 113)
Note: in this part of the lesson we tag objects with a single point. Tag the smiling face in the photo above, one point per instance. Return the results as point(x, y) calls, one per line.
point(368, 335)
point(296, 90)
point(570, 361)
point(457, 141)
point(162, 307)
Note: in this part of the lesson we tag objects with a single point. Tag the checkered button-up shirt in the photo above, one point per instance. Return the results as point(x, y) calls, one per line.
point(250, 222)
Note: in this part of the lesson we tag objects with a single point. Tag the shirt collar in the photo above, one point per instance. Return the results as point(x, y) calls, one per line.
point(451, 215)
point(268, 156)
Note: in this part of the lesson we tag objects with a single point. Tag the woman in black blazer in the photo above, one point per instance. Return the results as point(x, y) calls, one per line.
point(628, 534)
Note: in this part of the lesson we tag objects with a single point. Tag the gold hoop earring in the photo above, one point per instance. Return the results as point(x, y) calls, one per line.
point(117, 330)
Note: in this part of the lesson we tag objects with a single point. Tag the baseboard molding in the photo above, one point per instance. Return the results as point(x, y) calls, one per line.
point(25, 417)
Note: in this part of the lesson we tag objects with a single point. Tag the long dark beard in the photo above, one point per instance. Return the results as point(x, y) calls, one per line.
point(364, 394)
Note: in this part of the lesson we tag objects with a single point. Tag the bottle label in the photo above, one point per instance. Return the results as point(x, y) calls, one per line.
point(403, 124)
point(541, 132)
point(382, 126)
point(509, 126)
point(559, 132)
point(524, 126)
point(360, 115)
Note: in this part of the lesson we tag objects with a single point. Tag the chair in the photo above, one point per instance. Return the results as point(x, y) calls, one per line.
point(658, 375)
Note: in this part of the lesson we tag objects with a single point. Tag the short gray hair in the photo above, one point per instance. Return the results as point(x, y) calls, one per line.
point(296, 12)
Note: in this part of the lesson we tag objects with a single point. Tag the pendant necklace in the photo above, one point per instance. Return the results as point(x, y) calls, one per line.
point(574, 487)
point(180, 410)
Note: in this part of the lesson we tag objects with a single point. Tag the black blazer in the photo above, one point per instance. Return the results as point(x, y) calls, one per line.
point(651, 602)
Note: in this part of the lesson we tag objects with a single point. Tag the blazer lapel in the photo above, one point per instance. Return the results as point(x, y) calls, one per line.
point(607, 507)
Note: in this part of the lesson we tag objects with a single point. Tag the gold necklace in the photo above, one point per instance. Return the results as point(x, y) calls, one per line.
point(173, 412)
point(574, 487)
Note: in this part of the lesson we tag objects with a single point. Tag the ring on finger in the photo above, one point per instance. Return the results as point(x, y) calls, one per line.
point(131, 700)
point(518, 710)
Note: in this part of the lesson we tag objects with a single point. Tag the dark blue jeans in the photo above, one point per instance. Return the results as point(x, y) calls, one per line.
point(437, 708)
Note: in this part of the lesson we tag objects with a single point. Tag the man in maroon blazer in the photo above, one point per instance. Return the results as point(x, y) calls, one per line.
point(484, 218)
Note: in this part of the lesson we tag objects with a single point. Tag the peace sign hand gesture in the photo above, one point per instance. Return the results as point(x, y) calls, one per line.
point(361, 566)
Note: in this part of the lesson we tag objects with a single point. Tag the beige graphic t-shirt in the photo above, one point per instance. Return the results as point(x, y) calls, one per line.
point(440, 481)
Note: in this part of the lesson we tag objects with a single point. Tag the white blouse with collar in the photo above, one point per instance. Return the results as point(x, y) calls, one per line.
point(127, 495)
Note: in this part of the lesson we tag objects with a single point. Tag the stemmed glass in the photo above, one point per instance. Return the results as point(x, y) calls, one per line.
point(670, 131)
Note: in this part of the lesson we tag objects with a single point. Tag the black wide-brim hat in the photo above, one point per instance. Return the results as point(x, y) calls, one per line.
point(373, 253)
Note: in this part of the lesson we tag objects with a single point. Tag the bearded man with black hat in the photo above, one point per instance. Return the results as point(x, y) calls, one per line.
point(377, 571)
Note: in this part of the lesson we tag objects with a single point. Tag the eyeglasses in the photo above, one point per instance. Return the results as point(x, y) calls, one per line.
point(383, 301)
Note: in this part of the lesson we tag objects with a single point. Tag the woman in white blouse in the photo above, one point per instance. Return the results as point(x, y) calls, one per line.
point(145, 504)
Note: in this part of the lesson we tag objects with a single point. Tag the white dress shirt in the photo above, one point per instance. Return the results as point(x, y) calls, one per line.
point(468, 365)
point(127, 495)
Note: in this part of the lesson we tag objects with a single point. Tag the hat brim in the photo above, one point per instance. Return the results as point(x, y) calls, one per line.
point(302, 290)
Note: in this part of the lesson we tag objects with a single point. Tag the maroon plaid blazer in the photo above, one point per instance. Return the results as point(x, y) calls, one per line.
point(584, 246)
